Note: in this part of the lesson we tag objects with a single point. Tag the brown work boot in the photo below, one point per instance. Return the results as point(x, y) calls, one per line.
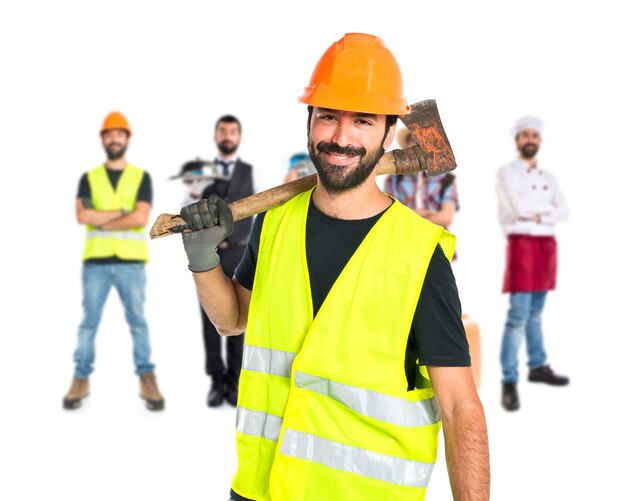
point(150, 391)
point(78, 391)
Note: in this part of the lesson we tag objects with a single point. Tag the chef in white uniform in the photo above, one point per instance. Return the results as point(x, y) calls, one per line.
point(530, 205)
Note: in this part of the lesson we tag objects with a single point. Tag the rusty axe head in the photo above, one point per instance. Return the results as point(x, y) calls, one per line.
point(432, 152)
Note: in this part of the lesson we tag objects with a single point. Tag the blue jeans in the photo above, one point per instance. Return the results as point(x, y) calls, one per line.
point(130, 280)
point(523, 319)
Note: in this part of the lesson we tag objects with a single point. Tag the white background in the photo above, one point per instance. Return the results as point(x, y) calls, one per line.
point(173, 68)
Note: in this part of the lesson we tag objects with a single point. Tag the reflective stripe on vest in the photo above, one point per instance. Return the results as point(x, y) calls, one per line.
point(266, 360)
point(354, 460)
point(118, 235)
point(128, 244)
point(372, 404)
point(258, 424)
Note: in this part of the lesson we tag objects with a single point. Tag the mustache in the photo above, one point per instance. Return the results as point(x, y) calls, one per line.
point(114, 144)
point(351, 151)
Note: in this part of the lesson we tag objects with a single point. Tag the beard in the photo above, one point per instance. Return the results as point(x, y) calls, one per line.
point(114, 154)
point(227, 147)
point(341, 178)
point(528, 151)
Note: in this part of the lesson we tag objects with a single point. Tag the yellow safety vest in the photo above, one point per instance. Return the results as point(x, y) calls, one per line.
point(124, 244)
point(324, 411)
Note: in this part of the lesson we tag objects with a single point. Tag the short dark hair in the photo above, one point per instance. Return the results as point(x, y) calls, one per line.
point(389, 120)
point(228, 119)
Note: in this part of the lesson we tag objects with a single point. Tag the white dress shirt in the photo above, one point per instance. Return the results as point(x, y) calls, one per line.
point(522, 193)
point(231, 166)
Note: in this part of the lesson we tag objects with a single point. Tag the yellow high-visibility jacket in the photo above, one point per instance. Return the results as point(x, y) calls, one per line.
point(323, 411)
point(125, 244)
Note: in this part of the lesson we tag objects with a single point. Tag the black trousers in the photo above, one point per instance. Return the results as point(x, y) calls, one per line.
point(214, 363)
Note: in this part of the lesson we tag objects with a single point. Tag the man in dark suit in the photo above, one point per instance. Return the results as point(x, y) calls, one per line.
point(236, 185)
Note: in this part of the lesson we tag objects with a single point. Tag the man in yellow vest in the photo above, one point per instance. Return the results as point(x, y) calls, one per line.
point(114, 201)
point(355, 353)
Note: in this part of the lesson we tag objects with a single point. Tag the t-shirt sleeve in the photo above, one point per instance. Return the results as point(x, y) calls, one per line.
point(84, 190)
point(145, 189)
point(437, 335)
point(244, 273)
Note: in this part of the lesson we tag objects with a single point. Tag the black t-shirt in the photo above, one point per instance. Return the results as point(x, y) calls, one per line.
point(437, 335)
point(144, 195)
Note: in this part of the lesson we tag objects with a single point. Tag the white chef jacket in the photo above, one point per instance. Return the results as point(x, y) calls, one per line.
point(523, 192)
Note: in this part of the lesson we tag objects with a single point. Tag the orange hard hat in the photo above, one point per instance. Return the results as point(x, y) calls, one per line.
point(115, 120)
point(357, 73)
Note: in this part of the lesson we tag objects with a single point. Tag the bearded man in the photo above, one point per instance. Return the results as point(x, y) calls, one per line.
point(530, 204)
point(114, 202)
point(355, 353)
point(235, 182)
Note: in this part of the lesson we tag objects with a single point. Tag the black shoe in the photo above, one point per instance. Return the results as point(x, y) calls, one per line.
point(545, 374)
point(232, 392)
point(510, 398)
point(216, 393)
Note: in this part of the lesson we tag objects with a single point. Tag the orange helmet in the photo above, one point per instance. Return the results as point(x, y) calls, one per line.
point(357, 73)
point(115, 120)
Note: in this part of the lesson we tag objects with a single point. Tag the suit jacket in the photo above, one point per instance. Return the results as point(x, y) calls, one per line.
point(239, 186)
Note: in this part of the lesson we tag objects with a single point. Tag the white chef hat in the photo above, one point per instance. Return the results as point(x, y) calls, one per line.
point(527, 122)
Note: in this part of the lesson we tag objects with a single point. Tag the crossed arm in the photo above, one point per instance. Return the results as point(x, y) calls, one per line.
point(114, 219)
point(523, 208)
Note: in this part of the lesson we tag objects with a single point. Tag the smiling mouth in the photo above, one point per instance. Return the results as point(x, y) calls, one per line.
point(339, 158)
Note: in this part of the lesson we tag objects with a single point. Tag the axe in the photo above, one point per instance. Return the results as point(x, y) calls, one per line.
point(432, 154)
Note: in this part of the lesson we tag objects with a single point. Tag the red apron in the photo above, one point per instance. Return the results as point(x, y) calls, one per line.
point(531, 263)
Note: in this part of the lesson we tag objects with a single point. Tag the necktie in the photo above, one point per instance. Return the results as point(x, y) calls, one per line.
point(225, 167)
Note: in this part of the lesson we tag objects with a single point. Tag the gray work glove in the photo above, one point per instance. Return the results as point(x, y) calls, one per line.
point(214, 221)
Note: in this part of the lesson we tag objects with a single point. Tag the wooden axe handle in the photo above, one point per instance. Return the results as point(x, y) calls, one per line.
point(406, 161)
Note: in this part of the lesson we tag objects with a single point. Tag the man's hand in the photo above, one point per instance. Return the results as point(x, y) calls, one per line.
point(535, 218)
point(214, 221)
